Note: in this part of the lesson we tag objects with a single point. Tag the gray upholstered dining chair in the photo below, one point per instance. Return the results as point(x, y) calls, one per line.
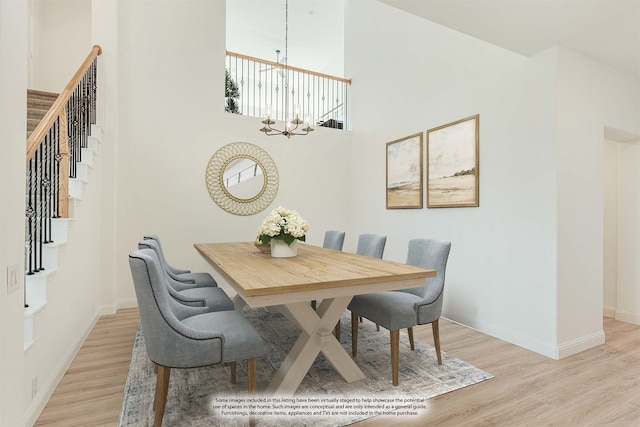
point(395, 310)
point(371, 245)
point(189, 294)
point(179, 274)
point(333, 239)
point(175, 338)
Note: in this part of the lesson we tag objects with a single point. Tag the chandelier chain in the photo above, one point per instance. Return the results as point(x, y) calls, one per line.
point(290, 127)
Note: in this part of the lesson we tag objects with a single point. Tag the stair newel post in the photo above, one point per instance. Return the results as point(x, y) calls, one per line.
point(63, 183)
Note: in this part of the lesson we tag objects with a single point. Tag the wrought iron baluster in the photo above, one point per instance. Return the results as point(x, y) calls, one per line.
point(78, 127)
point(93, 72)
point(55, 184)
point(46, 185)
point(41, 204)
point(253, 90)
point(242, 91)
point(72, 133)
point(86, 119)
point(76, 132)
point(30, 215)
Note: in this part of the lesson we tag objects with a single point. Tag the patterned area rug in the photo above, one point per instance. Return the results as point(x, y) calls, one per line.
point(205, 396)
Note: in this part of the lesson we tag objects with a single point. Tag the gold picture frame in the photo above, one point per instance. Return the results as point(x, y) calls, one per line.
point(404, 179)
point(453, 164)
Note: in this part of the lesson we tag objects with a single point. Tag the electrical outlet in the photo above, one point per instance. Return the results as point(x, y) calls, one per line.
point(34, 387)
point(13, 278)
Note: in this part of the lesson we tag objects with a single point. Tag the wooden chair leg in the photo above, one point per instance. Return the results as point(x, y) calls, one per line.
point(251, 384)
point(354, 334)
point(436, 339)
point(251, 376)
point(337, 331)
point(360, 318)
point(234, 366)
point(411, 342)
point(156, 399)
point(162, 389)
point(377, 327)
point(395, 355)
point(155, 395)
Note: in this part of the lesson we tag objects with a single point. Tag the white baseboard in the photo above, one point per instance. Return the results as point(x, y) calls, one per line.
point(545, 349)
point(109, 309)
point(580, 344)
point(609, 312)
point(126, 303)
point(625, 316)
point(550, 350)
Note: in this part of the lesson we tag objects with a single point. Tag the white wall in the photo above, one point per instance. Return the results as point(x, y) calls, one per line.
point(13, 84)
point(411, 75)
point(58, 23)
point(621, 231)
point(628, 289)
point(257, 28)
point(171, 121)
point(610, 230)
point(104, 20)
point(590, 97)
point(519, 260)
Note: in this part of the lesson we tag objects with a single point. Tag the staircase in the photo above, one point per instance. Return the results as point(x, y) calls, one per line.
point(62, 254)
point(36, 285)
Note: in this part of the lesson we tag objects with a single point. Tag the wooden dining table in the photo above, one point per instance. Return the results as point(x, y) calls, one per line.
point(288, 284)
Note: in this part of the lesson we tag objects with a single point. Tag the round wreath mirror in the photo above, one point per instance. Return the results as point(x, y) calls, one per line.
point(242, 178)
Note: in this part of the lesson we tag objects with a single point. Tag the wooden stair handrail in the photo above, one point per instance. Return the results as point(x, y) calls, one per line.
point(279, 65)
point(58, 111)
point(60, 103)
point(75, 80)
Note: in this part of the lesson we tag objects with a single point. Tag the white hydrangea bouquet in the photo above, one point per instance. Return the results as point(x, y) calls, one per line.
point(283, 224)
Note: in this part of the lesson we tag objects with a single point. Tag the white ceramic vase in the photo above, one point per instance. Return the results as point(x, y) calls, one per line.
point(280, 249)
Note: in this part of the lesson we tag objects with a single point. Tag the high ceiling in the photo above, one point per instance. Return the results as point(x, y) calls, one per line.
point(605, 30)
point(315, 32)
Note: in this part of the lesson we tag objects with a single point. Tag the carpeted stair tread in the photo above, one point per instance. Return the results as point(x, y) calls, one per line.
point(41, 94)
point(38, 103)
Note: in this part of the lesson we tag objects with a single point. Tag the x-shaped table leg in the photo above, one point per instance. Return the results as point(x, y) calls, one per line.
point(317, 327)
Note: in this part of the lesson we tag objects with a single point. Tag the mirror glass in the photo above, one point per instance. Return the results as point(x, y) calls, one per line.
point(242, 178)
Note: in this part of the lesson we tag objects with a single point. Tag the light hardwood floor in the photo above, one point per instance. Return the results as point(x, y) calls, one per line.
point(597, 387)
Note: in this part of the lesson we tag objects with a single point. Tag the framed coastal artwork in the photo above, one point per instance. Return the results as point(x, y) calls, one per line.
point(453, 164)
point(404, 173)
